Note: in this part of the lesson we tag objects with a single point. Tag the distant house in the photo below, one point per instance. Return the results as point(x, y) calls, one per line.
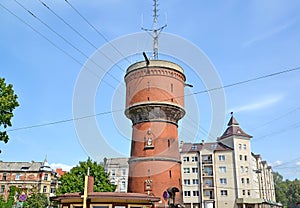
point(28, 176)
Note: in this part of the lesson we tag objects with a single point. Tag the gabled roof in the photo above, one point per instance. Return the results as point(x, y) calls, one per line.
point(234, 129)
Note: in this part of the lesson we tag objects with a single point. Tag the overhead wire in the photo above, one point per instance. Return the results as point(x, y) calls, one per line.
point(53, 44)
point(97, 31)
point(195, 93)
point(225, 86)
point(63, 38)
point(77, 32)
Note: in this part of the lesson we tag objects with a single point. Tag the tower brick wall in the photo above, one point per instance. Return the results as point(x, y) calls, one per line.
point(154, 103)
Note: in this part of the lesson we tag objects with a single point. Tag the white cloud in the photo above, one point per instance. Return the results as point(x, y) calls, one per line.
point(270, 33)
point(298, 163)
point(257, 105)
point(277, 163)
point(62, 166)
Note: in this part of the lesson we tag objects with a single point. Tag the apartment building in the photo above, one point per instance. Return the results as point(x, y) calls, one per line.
point(117, 169)
point(29, 176)
point(226, 173)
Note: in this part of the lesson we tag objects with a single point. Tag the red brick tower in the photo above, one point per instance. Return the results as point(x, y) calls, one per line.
point(155, 103)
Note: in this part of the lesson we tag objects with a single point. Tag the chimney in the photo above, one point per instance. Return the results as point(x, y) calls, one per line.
point(90, 185)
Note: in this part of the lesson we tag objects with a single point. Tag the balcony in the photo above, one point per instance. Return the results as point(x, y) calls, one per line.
point(207, 162)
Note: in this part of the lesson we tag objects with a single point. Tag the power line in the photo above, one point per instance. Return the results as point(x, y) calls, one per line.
point(63, 38)
point(195, 93)
point(77, 32)
point(62, 121)
point(53, 44)
point(97, 31)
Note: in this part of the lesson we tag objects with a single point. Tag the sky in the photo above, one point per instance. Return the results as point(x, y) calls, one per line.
point(69, 74)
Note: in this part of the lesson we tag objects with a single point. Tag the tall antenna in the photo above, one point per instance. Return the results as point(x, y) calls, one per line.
point(155, 31)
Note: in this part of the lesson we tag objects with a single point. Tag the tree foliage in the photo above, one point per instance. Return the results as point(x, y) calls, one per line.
point(73, 181)
point(8, 102)
point(36, 200)
point(287, 192)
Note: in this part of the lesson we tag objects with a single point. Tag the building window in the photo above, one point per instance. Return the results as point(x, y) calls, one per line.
point(244, 192)
point(186, 159)
point(245, 157)
point(186, 181)
point(44, 189)
point(18, 175)
point(240, 146)
point(4, 177)
point(2, 189)
point(208, 183)
point(242, 169)
point(46, 177)
point(195, 193)
point(113, 172)
point(123, 186)
point(245, 147)
point(194, 170)
point(224, 193)
point(246, 169)
point(186, 170)
point(187, 193)
point(195, 181)
point(123, 172)
point(243, 180)
point(52, 190)
point(241, 157)
point(221, 157)
point(249, 193)
point(194, 147)
point(248, 180)
point(223, 181)
point(222, 169)
point(208, 171)
point(195, 159)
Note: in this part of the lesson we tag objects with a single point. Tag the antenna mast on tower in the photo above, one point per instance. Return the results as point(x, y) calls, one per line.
point(156, 31)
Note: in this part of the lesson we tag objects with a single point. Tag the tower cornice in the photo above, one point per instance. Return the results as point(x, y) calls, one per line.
point(155, 112)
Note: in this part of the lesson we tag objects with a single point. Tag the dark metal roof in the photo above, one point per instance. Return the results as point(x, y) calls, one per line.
point(20, 166)
point(196, 147)
point(234, 130)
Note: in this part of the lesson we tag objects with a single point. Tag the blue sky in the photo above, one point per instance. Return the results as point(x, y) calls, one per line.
point(242, 39)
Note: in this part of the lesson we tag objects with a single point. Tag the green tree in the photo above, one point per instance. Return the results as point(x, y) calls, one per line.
point(73, 181)
point(280, 188)
point(36, 200)
point(293, 192)
point(8, 102)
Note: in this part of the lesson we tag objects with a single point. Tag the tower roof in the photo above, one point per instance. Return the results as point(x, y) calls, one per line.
point(234, 129)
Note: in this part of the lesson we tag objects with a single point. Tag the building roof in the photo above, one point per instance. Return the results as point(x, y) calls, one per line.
point(196, 147)
point(109, 197)
point(20, 166)
point(234, 129)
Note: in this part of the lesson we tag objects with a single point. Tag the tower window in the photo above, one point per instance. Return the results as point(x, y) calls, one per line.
point(170, 173)
point(171, 87)
point(168, 142)
point(148, 98)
